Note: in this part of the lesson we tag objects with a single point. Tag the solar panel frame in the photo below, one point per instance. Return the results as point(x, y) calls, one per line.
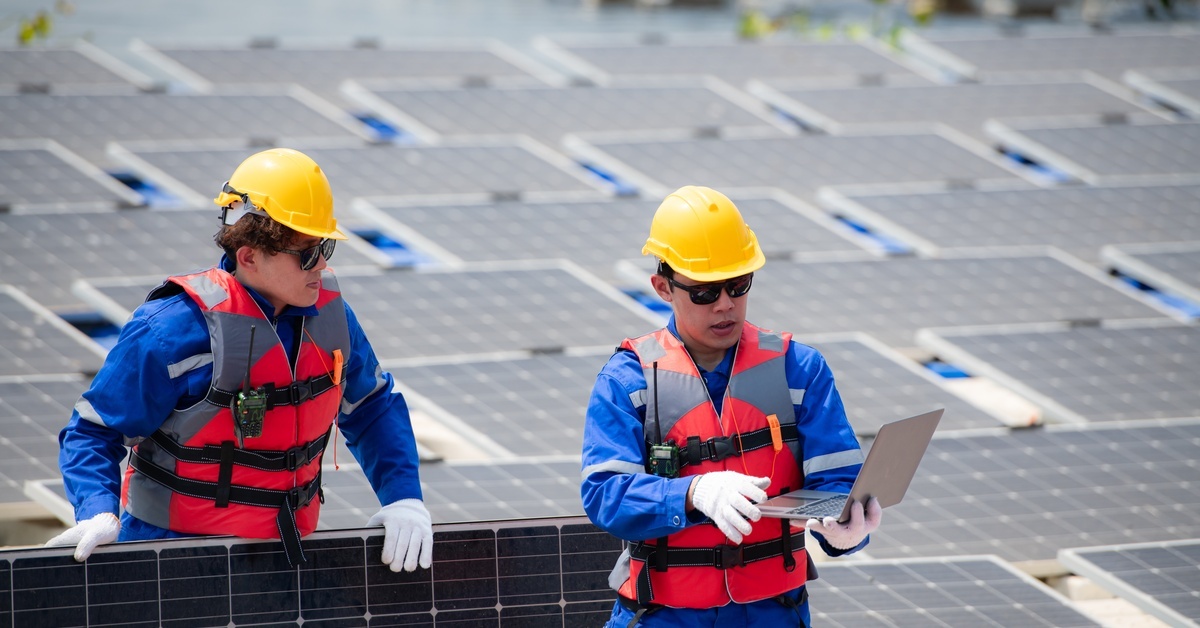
point(299, 62)
point(1050, 54)
point(1023, 494)
point(42, 175)
point(455, 234)
point(84, 121)
point(48, 252)
point(38, 342)
point(1161, 578)
point(1051, 381)
point(1167, 267)
point(963, 107)
point(356, 169)
point(958, 591)
point(1139, 149)
point(857, 62)
point(750, 161)
point(701, 105)
point(1078, 220)
point(892, 298)
point(85, 64)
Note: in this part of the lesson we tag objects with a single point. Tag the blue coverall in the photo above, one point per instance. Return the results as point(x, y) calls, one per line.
point(140, 384)
point(625, 501)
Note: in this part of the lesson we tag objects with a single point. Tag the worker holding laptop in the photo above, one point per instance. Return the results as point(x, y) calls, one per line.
point(689, 427)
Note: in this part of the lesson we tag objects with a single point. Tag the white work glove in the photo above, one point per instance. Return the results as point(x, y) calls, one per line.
point(848, 535)
point(86, 535)
point(408, 534)
point(728, 498)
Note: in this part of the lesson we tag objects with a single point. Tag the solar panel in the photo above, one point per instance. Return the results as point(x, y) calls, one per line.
point(322, 69)
point(1024, 494)
point(1170, 268)
point(511, 408)
point(548, 572)
point(1052, 56)
point(1177, 88)
point(1111, 373)
point(41, 68)
point(47, 252)
point(547, 113)
point(84, 123)
point(37, 342)
point(41, 175)
point(1114, 152)
point(891, 299)
point(1162, 579)
point(961, 107)
point(595, 234)
point(603, 59)
point(968, 591)
point(1079, 220)
point(504, 167)
point(32, 411)
point(657, 164)
point(512, 310)
point(878, 385)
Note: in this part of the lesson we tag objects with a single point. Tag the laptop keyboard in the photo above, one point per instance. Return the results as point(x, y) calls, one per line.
point(831, 507)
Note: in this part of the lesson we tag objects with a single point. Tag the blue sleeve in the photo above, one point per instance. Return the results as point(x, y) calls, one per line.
point(831, 454)
point(130, 397)
point(376, 423)
point(618, 495)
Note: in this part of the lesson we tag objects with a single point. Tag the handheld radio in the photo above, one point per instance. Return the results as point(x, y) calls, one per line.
point(249, 404)
point(664, 457)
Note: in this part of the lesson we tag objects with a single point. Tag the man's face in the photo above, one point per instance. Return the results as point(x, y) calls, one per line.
point(706, 330)
point(280, 280)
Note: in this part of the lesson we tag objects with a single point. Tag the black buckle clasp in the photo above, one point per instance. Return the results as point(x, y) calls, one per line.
point(721, 447)
point(299, 496)
point(296, 457)
point(300, 392)
point(728, 556)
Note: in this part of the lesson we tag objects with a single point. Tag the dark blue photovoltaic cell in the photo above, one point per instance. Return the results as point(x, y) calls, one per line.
point(194, 586)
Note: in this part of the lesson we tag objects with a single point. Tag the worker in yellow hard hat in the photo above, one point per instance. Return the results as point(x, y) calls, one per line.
point(230, 379)
point(689, 426)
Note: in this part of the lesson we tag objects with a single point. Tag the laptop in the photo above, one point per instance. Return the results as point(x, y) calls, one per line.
point(885, 475)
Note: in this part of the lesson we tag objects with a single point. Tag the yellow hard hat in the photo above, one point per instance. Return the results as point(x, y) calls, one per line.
point(286, 184)
point(700, 233)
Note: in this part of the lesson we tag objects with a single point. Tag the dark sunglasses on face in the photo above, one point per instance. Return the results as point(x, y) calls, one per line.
point(308, 257)
point(707, 293)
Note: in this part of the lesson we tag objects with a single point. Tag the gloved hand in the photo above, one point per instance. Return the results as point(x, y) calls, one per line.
point(86, 535)
point(728, 498)
point(408, 534)
point(848, 535)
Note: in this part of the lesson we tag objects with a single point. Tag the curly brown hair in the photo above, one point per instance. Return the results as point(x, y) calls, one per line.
point(259, 232)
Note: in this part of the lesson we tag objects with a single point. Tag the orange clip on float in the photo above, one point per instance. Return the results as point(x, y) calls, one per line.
point(776, 435)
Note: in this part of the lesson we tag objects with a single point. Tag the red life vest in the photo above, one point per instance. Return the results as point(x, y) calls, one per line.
point(195, 451)
point(704, 568)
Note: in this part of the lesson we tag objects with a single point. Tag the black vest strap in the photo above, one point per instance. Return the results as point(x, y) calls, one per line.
point(719, 557)
point(293, 394)
point(288, 502)
point(263, 459)
point(719, 448)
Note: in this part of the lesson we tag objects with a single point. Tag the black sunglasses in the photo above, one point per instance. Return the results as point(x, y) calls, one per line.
point(308, 257)
point(707, 293)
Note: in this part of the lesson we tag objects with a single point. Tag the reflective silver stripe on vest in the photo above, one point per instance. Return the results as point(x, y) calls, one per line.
point(186, 365)
point(770, 341)
point(678, 394)
point(833, 461)
point(765, 386)
point(210, 293)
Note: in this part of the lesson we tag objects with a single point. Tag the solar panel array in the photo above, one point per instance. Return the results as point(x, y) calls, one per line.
point(1162, 578)
point(891, 242)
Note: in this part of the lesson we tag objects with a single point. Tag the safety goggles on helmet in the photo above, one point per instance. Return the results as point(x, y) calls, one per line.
point(308, 257)
point(708, 293)
point(233, 212)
